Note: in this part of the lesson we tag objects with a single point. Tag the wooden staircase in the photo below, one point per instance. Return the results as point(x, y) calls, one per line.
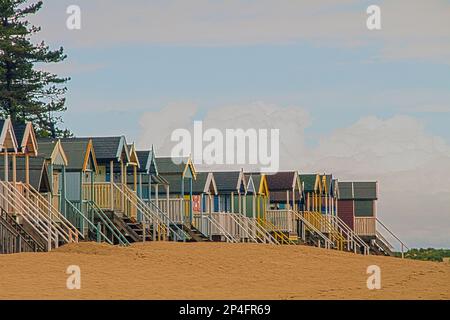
point(195, 234)
point(163, 228)
point(14, 238)
point(278, 234)
point(37, 215)
point(323, 224)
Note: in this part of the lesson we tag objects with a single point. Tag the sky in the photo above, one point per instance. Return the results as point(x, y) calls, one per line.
point(361, 104)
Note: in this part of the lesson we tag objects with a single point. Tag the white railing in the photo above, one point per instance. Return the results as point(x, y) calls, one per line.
point(353, 240)
point(283, 220)
point(173, 208)
point(210, 227)
point(403, 246)
point(42, 222)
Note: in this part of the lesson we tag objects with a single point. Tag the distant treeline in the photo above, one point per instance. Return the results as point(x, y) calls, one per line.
point(429, 254)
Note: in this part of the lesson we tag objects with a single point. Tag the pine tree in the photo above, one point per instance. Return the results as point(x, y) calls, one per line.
point(26, 93)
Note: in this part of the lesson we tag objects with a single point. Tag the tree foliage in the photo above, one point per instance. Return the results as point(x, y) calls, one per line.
point(26, 92)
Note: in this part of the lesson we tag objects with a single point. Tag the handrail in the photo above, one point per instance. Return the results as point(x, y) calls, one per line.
point(360, 242)
point(55, 212)
point(108, 223)
point(73, 207)
point(266, 236)
point(161, 217)
point(247, 220)
point(216, 224)
point(233, 217)
point(283, 238)
point(41, 224)
point(16, 230)
point(19, 230)
point(334, 235)
point(403, 246)
point(310, 226)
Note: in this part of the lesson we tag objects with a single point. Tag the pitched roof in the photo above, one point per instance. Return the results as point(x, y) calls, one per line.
point(110, 148)
point(53, 150)
point(227, 181)
point(174, 165)
point(326, 181)
point(26, 138)
point(78, 152)
point(7, 138)
point(204, 183)
point(144, 158)
point(309, 182)
point(134, 159)
point(281, 181)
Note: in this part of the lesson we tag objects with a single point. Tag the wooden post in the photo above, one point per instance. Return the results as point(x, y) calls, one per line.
point(14, 169)
point(27, 169)
point(111, 179)
point(135, 177)
point(63, 190)
point(293, 200)
point(122, 177)
point(191, 214)
point(232, 202)
point(167, 200)
point(287, 200)
point(6, 165)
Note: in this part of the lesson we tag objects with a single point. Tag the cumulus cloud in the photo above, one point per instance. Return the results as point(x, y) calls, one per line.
point(411, 29)
point(410, 164)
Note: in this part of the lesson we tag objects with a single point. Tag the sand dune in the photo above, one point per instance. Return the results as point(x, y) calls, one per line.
point(216, 271)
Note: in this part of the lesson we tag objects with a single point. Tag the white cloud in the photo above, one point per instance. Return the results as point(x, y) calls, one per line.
point(411, 165)
point(411, 29)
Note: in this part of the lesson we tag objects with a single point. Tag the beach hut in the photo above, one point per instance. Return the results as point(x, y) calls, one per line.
point(346, 205)
point(8, 146)
point(285, 190)
point(150, 184)
point(27, 144)
point(231, 188)
point(326, 194)
point(257, 195)
point(56, 161)
point(179, 169)
point(312, 189)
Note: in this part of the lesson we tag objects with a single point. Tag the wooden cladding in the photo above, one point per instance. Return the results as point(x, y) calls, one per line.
point(365, 226)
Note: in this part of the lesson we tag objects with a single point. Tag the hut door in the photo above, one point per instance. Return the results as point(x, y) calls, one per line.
point(56, 193)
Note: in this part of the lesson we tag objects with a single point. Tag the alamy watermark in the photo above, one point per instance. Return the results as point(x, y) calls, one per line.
point(256, 147)
point(74, 279)
point(374, 280)
point(73, 21)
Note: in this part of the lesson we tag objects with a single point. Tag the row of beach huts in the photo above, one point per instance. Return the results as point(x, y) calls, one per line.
point(59, 191)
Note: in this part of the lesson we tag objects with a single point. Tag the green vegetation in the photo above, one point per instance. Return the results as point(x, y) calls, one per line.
point(429, 254)
point(27, 93)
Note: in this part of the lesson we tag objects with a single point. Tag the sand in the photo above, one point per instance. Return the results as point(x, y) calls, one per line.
point(216, 271)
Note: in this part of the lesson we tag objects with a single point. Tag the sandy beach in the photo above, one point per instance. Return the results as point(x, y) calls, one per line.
point(216, 271)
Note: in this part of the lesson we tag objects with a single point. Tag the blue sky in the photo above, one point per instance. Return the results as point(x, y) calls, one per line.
point(364, 105)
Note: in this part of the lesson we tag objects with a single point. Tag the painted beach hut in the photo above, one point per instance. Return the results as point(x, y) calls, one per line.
point(231, 188)
point(326, 194)
point(312, 188)
point(27, 144)
point(56, 161)
point(183, 170)
point(285, 190)
point(257, 195)
point(149, 181)
point(8, 146)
